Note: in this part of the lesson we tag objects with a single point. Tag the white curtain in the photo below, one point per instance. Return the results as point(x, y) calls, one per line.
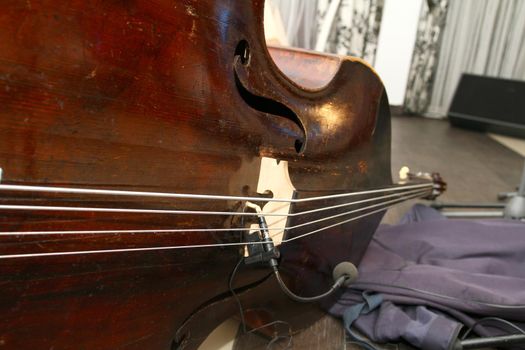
point(273, 26)
point(481, 37)
point(300, 21)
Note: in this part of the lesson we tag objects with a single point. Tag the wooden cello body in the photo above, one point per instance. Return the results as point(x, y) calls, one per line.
point(167, 97)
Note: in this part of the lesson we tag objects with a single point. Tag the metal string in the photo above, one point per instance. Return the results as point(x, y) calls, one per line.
point(68, 190)
point(352, 211)
point(213, 245)
point(27, 233)
point(185, 212)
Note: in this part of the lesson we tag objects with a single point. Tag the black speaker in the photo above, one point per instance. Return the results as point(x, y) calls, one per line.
point(489, 104)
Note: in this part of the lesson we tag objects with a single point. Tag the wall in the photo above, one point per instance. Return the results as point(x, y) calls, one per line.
point(395, 45)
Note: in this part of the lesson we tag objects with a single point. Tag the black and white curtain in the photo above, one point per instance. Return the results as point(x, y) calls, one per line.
point(346, 27)
point(352, 29)
point(484, 37)
point(453, 37)
point(425, 56)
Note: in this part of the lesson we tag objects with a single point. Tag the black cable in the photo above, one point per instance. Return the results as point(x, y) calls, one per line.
point(243, 321)
point(363, 344)
point(340, 281)
point(232, 291)
point(277, 338)
point(485, 319)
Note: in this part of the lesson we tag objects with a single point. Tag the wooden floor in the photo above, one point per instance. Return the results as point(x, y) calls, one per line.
point(475, 167)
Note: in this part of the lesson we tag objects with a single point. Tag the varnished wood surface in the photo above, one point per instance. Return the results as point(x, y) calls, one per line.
point(163, 96)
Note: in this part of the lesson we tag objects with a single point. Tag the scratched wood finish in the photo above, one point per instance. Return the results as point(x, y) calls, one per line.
point(171, 97)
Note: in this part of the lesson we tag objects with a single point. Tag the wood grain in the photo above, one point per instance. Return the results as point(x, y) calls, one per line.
point(171, 97)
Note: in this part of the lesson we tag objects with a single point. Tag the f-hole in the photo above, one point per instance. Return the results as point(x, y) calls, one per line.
point(264, 104)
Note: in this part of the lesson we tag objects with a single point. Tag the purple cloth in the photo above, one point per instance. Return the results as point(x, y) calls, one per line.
point(436, 274)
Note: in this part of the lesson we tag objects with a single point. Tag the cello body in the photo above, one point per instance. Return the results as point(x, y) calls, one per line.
point(174, 97)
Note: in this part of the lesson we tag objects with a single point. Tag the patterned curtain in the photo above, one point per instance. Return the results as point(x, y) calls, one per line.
point(425, 57)
point(354, 29)
point(346, 27)
point(484, 37)
point(481, 37)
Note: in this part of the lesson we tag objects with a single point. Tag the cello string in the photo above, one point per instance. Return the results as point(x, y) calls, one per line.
point(212, 245)
point(87, 232)
point(417, 192)
point(70, 190)
point(193, 246)
point(183, 212)
point(348, 213)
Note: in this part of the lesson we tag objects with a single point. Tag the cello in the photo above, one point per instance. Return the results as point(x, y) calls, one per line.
point(159, 162)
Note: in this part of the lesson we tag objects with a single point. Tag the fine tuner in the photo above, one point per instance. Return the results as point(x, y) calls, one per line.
point(438, 185)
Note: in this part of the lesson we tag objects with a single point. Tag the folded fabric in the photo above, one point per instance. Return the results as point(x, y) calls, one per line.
point(436, 274)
